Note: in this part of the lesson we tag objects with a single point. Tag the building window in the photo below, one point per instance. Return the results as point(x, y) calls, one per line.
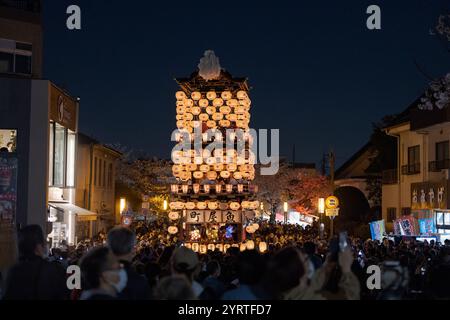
point(100, 167)
point(71, 142)
point(15, 57)
point(391, 214)
point(50, 152)
point(104, 173)
point(95, 171)
point(8, 139)
point(413, 166)
point(442, 155)
point(443, 221)
point(59, 163)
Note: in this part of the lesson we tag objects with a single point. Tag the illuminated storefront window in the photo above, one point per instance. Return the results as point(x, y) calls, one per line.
point(62, 156)
point(8, 138)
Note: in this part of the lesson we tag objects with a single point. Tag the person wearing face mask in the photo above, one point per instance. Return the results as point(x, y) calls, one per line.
point(103, 277)
point(33, 277)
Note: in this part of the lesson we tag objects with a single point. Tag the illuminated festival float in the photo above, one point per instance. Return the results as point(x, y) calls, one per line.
point(213, 199)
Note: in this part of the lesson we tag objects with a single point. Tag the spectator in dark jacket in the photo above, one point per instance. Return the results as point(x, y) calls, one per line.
point(122, 242)
point(33, 277)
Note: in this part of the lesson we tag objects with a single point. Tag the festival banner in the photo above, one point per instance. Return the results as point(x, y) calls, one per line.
point(406, 226)
point(427, 226)
point(377, 230)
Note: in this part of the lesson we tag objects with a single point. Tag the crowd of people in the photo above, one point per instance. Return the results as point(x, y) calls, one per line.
point(142, 263)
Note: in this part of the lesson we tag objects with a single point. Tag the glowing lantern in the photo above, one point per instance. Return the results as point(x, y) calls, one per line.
point(203, 117)
point(235, 206)
point(195, 111)
point(229, 188)
point(256, 226)
point(203, 249)
point(195, 247)
point(188, 103)
point(226, 247)
point(218, 102)
point(172, 230)
point(211, 175)
point(232, 167)
point(190, 205)
point(232, 103)
point(250, 229)
point(211, 124)
point(211, 95)
point(224, 123)
point(174, 188)
point(188, 117)
point(240, 188)
point(203, 103)
point(219, 247)
point(192, 167)
point(206, 188)
point(262, 247)
point(217, 116)
point(225, 174)
point(204, 168)
point(188, 245)
point(210, 110)
point(213, 205)
point(250, 245)
point(237, 175)
point(218, 167)
point(218, 188)
point(185, 188)
point(174, 215)
point(231, 117)
point(173, 205)
point(226, 95)
point(225, 110)
point(201, 205)
point(242, 247)
point(181, 110)
point(196, 95)
point(242, 95)
point(196, 188)
point(211, 247)
point(198, 160)
point(180, 95)
point(198, 175)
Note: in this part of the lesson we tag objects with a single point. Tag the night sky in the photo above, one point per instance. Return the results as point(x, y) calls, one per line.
point(317, 73)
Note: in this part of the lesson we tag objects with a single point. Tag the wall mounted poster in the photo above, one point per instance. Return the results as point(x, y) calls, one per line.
point(8, 190)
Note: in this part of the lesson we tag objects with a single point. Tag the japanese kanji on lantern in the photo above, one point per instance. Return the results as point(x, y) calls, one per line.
point(212, 196)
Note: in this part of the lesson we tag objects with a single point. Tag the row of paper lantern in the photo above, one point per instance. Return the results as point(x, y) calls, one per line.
point(211, 95)
point(241, 109)
point(213, 161)
point(219, 167)
point(252, 228)
point(214, 205)
point(203, 248)
point(213, 175)
point(218, 188)
point(215, 135)
point(190, 126)
point(216, 103)
point(229, 154)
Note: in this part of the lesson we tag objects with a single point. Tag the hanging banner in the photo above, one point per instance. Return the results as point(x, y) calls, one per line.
point(213, 216)
point(427, 226)
point(8, 190)
point(377, 230)
point(406, 226)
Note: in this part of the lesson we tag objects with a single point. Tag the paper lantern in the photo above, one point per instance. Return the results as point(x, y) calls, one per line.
point(250, 244)
point(203, 117)
point(223, 206)
point(173, 205)
point(195, 111)
point(180, 95)
point(206, 188)
point(218, 188)
point(225, 123)
point(213, 205)
point(190, 205)
point(188, 245)
point(172, 230)
point(225, 110)
point(229, 188)
point(196, 188)
point(211, 161)
point(255, 226)
point(226, 95)
point(239, 110)
point(188, 117)
point(225, 174)
point(174, 215)
point(211, 175)
point(237, 175)
point(210, 110)
point(242, 247)
point(211, 95)
point(232, 103)
point(226, 247)
point(218, 167)
point(242, 95)
point(235, 206)
point(185, 188)
point(218, 102)
point(180, 124)
point(240, 187)
point(192, 167)
point(250, 229)
point(181, 110)
point(198, 160)
point(203, 249)
point(219, 247)
point(211, 124)
point(203, 103)
point(195, 247)
point(231, 117)
point(262, 247)
point(201, 205)
point(204, 168)
point(196, 95)
point(188, 103)
point(217, 116)
point(232, 167)
point(211, 247)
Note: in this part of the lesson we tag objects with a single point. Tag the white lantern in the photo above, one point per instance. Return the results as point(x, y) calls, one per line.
point(203, 117)
point(201, 205)
point(226, 247)
point(203, 249)
point(196, 188)
point(250, 229)
point(225, 110)
point(217, 116)
point(190, 205)
point(185, 188)
point(250, 245)
point(235, 206)
point(218, 102)
point(211, 124)
point(213, 205)
point(180, 95)
point(232, 103)
point(211, 247)
point(196, 95)
point(218, 187)
point(188, 103)
point(225, 174)
point(203, 103)
point(262, 247)
point(242, 95)
point(195, 111)
point(255, 226)
point(211, 95)
point(226, 95)
point(172, 230)
point(174, 215)
point(229, 188)
point(210, 110)
point(242, 247)
point(237, 175)
point(195, 247)
point(206, 188)
point(174, 188)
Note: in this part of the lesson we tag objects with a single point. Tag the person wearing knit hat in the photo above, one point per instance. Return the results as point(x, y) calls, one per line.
point(184, 261)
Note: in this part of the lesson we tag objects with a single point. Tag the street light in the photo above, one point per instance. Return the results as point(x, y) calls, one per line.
point(321, 209)
point(165, 205)
point(285, 207)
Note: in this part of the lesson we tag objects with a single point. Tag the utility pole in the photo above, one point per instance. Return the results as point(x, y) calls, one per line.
point(331, 158)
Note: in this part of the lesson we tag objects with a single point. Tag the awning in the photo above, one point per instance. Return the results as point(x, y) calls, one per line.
point(81, 213)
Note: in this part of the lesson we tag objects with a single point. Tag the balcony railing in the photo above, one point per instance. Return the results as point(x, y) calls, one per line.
point(436, 166)
point(410, 169)
point(390, 176)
